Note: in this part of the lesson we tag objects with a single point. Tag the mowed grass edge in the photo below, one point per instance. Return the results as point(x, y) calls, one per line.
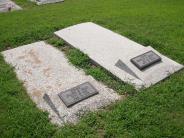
point(154, 112)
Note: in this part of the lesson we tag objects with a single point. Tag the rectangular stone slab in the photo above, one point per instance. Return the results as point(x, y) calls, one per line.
point(114, 53)
point(145, 60)
point(4, 5)
point(41, 2)
point(77, 94)
point(45, 72)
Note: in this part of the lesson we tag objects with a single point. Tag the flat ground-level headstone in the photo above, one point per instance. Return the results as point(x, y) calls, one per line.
point(126, 59)
point(46, 75)
point(8, 5)
point(40, 2)
point(77, 94)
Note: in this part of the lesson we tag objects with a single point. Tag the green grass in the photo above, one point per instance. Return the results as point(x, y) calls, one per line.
point(154, 112)
point(19, 117)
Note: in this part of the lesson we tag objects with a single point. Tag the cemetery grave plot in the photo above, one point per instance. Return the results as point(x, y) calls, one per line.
point(131, 62)
point(7, 5)
point(55, 85)
point(40, 2)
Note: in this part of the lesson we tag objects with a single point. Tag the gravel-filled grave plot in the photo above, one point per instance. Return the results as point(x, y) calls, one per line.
point(55, 85)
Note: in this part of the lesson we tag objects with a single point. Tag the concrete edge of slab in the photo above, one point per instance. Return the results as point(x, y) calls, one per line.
point(49, 2)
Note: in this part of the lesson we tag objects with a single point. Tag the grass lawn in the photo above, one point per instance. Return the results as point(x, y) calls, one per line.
point(154, 112)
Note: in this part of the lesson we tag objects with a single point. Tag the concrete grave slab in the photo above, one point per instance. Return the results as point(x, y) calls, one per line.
point(6, 4)
point(115, 53)
point(46, 73)
point(40, 2)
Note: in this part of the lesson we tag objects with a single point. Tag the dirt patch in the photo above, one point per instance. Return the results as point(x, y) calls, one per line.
point(37, 93)
point(34, 56)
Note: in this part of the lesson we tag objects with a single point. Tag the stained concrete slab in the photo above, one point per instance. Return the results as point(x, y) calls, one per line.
point(114, 52)
point(5, 4)
point(45, 72)
point(40, 2)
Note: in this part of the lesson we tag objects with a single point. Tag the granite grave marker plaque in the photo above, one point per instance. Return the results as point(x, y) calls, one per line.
point(77, 94)
point(145, 60)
